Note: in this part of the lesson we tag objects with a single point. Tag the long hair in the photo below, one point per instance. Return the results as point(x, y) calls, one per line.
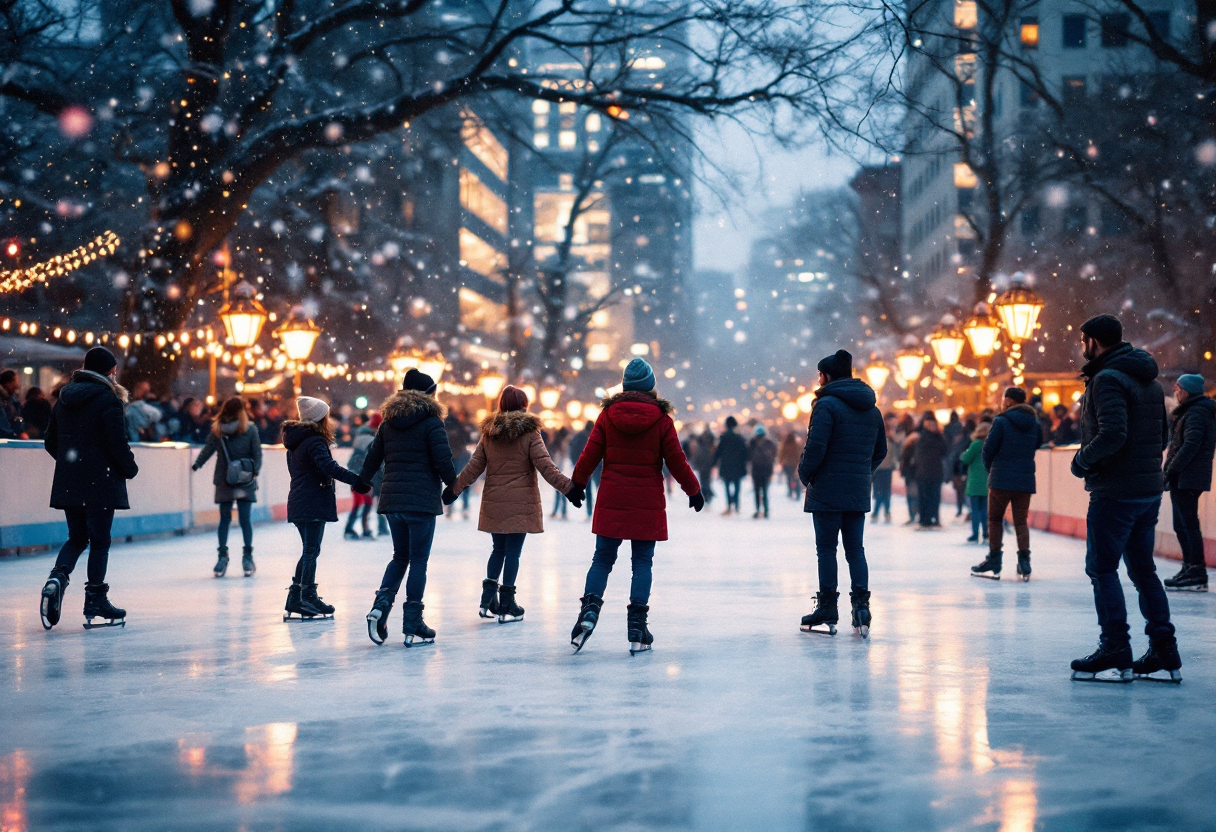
point(512, 398)
point(232, 411)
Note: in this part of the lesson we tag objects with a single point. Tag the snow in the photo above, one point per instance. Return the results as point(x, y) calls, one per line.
point(208, 710)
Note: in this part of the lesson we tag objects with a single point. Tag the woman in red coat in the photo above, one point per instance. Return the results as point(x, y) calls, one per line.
point(634, 436)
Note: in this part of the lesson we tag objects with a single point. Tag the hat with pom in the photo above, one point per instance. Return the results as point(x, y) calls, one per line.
point(638, 376)
point(837, 366)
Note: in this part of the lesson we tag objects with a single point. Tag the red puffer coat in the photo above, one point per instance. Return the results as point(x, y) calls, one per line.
point(634, 436)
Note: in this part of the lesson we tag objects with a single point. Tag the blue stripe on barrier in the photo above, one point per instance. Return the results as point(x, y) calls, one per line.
point(54, 534)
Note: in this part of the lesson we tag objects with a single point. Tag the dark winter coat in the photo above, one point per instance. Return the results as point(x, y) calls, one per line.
point(1010, 448)
point(845, 443)
point(762, 453)
point(731, 456)
point(929, 456)
point(412, 445)
point(247, 445)
point(1188, 464)
point(312, 497)
point(1123, 425)
point(634, 437)
point(87, 437)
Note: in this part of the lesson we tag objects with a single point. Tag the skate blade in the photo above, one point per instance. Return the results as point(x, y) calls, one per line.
point(863, 631)
point(413, 640)
point(507, 619)
point(636, 647)
point(988, 577)
point(1201, 588)
point(373, 626)
point(1112, 676)
point(117, 622)
point(819, 629)
point(295, 616)
point(249, 574)
point(578, 641)
point(485, 613)
point(1172, 677)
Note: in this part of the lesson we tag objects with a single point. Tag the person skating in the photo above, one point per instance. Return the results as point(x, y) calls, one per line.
point(1008, 457)
point(1188, 473)
point(703, 450)
point(788, 454)
point(731, 459)
point(412, 445)
point(238, 441)
point(511, 453)
point(577, 442)
point(87, 437)
point(928, 466)
point(885, 472)
point(977, 483)
point(762, 455)
point(845, 444)
point(361, 504)
point(1123, 434)
point(634, 436)
point(312, 500)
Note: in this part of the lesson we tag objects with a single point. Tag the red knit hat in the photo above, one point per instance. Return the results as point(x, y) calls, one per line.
point(512, 398)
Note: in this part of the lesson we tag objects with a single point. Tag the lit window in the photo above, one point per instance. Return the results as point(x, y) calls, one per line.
point(964, 177)
point(480, 256)
point(565, 181)
point(600, 319)
point(965, 14)
point(540, 122)
point(593, 145)
point(599, 354)
point(482, 202)
point(648, 62)
point(541, 140)
point(1030, 33)
point(477, 312)
point(567, 139)
point(568, 107)
point(539, 106)
point(962, 228)
point(484, 145)
point(593, 123)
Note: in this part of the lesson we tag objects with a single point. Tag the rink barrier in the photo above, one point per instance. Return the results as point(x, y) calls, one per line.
point(166, 497)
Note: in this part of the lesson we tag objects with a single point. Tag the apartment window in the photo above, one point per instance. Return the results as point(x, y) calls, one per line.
point(1161, 23)
point(964, 177)
point(1076, 218)
point(1074, 31)
point(1028, 96)
point(541, 140)
point(567, 139)
point(1073, 90)
point(540, 107)
point(1030, 32)
point(1032, 222)
point(593, 123)
point(540, 122)
point(568, 107)
point(966, 15)
point(1114, 30)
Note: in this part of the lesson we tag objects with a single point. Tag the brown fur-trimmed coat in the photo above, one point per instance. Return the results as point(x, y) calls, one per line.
point(510, 453)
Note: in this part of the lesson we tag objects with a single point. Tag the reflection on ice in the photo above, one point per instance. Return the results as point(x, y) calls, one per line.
point(270, 762)
point(14, 776)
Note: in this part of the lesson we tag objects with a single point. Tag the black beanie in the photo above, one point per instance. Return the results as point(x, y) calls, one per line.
point(837, 366)
point(415, 380)
point(1105, 329)
point(1016, 393)
point(100, 360)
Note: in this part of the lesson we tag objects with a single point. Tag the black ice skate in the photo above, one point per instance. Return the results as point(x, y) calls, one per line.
point(1161, 663)
point(1104, 665)
point(221, 563)
point(97, 605)
point(508, 610)
point(990, 568)
point(377, 619)
point(1189, 579)
point(1024, 565)
point(298, 609)
point(823, 618)
point(52, 597)
point(640, 639)
point(489, 599)
point(860, 599)
point(412, 625)
point(247, 563)
point(308, 594)
point(588, 615)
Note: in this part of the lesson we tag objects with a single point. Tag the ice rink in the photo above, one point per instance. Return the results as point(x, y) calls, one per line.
point(207, 711)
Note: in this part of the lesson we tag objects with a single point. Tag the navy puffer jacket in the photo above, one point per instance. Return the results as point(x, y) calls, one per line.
point(312, 497)
point(88, 439)
point(1188, 464)
point(1010, 447)
point(412, 444)
point(845, 443)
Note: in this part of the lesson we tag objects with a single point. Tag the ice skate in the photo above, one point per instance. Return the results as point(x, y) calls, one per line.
point(1024, 565)
point(97, 605)
point(640, 639)
point(1189, 579)
point(823, 618)
point(308, 594)
point(489, 599)
point(350, 534)
point(508, 610)
point(1104, 665)
point(990, 568)
point(1161, 663)
point(247, 563)
point(367, 535)
point(52, 597)
point(377, 619)
point(412, 625)
point(298, 609)
point(588, 615)
point(860, 600)
point(221, 564)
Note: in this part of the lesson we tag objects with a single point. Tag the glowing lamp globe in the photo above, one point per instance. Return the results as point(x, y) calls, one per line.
point(402, 362)
point(298, 336)
point(877, 375)
point(433, 366)
point(530, 392)
point(1019, 310)
point(910, 361)
point(491, 384)
point(947, 343)
point(549, 397)
point(574, 409)
point(791, 411)
point(243, 317)
point(982, 333)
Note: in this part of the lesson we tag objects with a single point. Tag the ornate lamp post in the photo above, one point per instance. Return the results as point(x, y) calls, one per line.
point(947, 343)
point(243, 318)
point(877, 374)
point(911, 362)
point(298, 335)
point(1019, 309)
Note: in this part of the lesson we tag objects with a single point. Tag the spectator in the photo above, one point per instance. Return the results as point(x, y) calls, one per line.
point(1065, 431)
point(268, 428)
point(36, 413)
point(11, 424)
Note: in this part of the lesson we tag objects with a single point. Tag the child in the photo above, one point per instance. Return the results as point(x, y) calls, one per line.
point(311, 500)
point(977, 482)
point(511, 452)
point(634, 436)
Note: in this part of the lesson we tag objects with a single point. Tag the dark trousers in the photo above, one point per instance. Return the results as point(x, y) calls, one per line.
point(882, 492)
point(793, 488)
point(412, 536)
point(88, 527)
point(606, 549)
point(243, 509)
point(1186, 525)
point(504, 557)
point(706, 476)
point(979, 516)
point(310, 536)
point(360, 513)
point(998, 501)
point(732, 493)
point(910, 496)
point(929, 500)
point(760, 489)
point(1125, 529)
point(850, 527)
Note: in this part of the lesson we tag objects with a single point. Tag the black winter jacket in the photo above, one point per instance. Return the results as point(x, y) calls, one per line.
point(1123, 425)
point(1188, 464)
point(1010, 448)
point(87, 437)
point(247, 445)
point(731, 456)
point(412, 444)
point(845, 442)
point(312, 497)
point(929, 456)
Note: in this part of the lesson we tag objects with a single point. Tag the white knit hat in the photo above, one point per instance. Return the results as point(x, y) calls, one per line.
point(311, 410)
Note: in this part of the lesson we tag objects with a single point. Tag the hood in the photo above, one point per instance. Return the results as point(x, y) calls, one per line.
point(1023, 417)
point(230, 428)
point(852, 391)
point(406, 408)
point(86, 386)
point(294, 433)
point(632, 412)
point(1126, 359)
point(1198, 402)
point(509, 425)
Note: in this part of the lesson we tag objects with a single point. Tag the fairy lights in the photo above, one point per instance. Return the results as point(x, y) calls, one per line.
point(19, 280)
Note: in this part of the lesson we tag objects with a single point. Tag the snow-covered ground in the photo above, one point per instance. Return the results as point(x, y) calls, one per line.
point(209, 712)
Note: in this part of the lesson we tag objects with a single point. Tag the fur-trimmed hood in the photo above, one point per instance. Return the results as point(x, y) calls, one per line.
point(406, 408)
point(635, 396)
point(1022, 416)
point(295, 432)
point(509, 425)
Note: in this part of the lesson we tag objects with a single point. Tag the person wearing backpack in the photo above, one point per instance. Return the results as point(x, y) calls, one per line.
point(762, 456)
point(239, 446)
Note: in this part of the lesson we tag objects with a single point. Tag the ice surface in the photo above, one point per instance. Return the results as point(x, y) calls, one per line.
point(208, 712)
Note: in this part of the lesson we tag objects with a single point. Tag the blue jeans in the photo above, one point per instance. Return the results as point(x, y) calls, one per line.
point(243, 507)
point(605, 556)
point(882, 492)
point(850, 526)
point(504, 557)
point(559, 503)
point(979, 516)
point(311, 535)
point(412, 536)
point(1125, 529)
point(732, 493)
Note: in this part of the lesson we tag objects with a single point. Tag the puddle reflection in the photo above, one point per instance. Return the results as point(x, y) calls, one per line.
point(270, 762)
point(14, 777)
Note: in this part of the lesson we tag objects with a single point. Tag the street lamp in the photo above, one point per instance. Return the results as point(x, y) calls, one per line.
point(491, 384)
point(947, 343)
point(574, 408)
point(529, 392)
point(910, 361)
point(549, 397)
point(982, 332)
point(243, 318)
point(433, 366)
point(877, 374)
point(1019, 310)
point(402, 362)
point(298, 336)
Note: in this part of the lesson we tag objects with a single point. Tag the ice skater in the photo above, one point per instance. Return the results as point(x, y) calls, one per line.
point(730, 457)
point(361, 504)
point(235, 478)
point(634, 436)
point(1123, 433)
point(976, 478)
point(1008, 456)
point(1188, 473)
point(412, 445)
point(846, 441)
point(87, 436)
point(311, 500)
point(511, 453)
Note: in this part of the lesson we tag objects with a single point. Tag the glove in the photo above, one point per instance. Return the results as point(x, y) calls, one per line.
point(362, 487)
point(448, 496)
point(194, 468)
point(696, 501)
point(1078, 470)
point(576, 495)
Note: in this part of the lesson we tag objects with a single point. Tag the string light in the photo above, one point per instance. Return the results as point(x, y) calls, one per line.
point(19, 280)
